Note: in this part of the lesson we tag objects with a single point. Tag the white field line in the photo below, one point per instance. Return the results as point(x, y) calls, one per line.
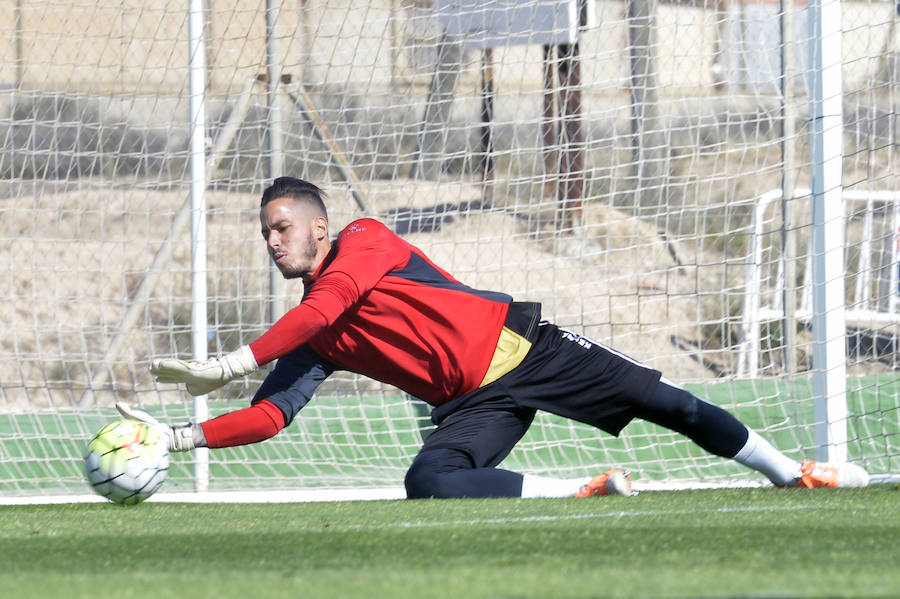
point(317, 495)
point(592, 516)
point(617, 514)
point(309, 495)
point(281, 496)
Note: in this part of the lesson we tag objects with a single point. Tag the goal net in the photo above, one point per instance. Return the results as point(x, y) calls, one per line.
point(642, 168)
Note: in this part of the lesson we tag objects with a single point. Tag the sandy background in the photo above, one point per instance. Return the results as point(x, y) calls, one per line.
point(79, 257)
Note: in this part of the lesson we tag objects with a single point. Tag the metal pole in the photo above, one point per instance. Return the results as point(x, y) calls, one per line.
point(788, 161)
point(487, 117)
point(320, 129)
point(276, 141)
point(197, 91)
point(646, 125)
point(826, 148)
point(432, 138)
point(396, 42)
point(19, 50)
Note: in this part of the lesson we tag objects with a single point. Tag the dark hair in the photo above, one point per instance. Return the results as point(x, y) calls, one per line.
point(297, 189)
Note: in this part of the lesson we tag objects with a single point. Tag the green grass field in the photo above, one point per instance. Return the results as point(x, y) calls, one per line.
point(746, 543)
point(719, 543)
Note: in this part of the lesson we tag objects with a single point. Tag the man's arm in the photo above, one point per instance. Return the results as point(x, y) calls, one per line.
point(259, 422)
point(367, 250)
point(284, 392)
point(263, 420)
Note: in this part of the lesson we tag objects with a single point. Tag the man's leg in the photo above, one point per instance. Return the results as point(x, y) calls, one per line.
point(458, 458)
point(720, 433)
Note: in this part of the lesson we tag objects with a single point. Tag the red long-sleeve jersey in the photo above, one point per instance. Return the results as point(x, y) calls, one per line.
point(379, 307)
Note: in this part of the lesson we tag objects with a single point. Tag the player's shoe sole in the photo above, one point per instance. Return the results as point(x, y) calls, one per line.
point(614, 482)
point(824, 474)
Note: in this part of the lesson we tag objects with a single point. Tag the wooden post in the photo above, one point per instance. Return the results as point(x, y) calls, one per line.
point(548, 126)
point(563, 143)
point(572, 151)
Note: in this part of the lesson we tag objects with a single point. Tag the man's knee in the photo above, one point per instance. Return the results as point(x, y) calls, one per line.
point(671, 407)
point(708, 425)
point(427, 476)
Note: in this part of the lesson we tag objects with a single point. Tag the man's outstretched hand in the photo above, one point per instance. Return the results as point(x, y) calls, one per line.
point(201, 378)
point(179, 437)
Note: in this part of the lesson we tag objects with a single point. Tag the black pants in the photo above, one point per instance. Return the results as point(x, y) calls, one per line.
point(563, 374)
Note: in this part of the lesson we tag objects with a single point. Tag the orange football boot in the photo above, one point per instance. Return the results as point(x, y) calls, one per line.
point(824, 474)
point(614, 482)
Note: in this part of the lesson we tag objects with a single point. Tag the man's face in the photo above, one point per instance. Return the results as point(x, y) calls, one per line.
point(296, 240)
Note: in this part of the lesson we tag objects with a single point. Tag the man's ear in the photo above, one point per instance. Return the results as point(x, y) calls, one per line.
point(320, 228)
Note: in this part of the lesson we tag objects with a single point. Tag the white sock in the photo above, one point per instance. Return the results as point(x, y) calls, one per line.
point(759, 454)
point(540, 486)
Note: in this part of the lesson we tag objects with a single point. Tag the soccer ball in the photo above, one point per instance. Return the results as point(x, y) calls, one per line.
point(127, 461)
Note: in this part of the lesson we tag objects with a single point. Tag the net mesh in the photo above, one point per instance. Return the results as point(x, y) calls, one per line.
point(609, 160)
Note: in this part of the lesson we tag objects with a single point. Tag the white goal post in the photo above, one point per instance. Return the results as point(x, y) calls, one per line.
point(610, 159)
point(869, 304)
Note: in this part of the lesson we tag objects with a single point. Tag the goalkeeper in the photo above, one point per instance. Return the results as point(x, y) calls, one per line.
point(376, 305)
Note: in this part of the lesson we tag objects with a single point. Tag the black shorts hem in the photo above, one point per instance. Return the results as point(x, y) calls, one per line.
point(570, 376)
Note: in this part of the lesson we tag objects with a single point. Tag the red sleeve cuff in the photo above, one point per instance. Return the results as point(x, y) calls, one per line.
point(259, 422)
